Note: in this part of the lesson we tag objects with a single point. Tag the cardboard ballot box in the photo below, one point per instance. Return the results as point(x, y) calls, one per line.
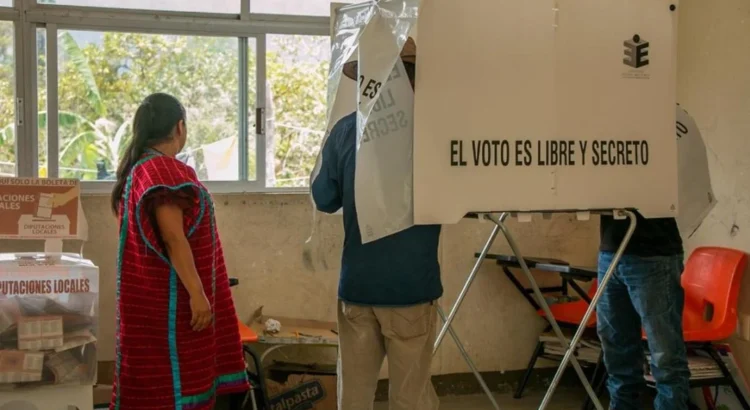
point(59, 398)
point(48, 320)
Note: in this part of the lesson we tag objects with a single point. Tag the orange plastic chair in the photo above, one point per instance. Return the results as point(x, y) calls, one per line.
point(571, 313)
point(257, 379)
point(712, 281)
point(247, 335)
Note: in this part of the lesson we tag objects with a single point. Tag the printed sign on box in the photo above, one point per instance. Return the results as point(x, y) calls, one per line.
point(545, 106)
point(33, 208)
point(301, 387)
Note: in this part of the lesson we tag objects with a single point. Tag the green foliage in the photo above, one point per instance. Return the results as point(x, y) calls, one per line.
point(101, 84)
point(7, 110)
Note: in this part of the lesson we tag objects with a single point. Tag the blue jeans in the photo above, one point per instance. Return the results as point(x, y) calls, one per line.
point(644, 292)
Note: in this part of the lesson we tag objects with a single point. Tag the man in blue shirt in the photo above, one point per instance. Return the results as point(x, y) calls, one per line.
point(387, 289)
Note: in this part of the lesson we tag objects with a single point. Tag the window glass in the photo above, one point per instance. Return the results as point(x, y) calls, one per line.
point(296, 7)
point(212, 6)
point(103, 77)
point(297, 80)
point(7, 104)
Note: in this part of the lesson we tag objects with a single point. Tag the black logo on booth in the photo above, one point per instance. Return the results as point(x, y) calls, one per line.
point(636, 52)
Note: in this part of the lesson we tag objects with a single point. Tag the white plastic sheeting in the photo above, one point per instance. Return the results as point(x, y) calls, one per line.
point(696, 196)
point(374, 34)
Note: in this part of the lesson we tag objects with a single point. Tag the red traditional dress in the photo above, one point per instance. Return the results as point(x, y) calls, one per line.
point(161, 363)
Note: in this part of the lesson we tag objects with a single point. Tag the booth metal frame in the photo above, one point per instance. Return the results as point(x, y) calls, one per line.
point(498, 219)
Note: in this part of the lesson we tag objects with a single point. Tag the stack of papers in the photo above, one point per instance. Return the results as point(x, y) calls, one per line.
point(587, 350)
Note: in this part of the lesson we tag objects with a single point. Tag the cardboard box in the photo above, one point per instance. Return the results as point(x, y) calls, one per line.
point(102, 396)
point(297, 386)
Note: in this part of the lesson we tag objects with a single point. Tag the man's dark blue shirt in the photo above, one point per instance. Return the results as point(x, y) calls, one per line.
point(399, 270)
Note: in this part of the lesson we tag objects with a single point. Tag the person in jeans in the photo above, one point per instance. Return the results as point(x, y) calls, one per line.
point(387, 288)
point(644, 293)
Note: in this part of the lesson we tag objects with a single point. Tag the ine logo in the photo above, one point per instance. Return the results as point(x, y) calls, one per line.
point(636, 52)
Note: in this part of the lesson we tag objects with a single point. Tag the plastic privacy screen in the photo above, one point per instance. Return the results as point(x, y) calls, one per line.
point(381, 98)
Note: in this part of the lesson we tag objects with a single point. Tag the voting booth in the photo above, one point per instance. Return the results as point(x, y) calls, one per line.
point(518, 108)
point(566, 105)
point(49, 301)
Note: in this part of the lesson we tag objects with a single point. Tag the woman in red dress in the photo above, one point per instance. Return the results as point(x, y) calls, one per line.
point(178, 343)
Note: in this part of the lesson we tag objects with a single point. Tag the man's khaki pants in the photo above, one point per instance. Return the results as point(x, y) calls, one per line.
point(369, 334)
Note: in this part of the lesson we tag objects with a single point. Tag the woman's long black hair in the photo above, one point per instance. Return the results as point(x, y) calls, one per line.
point(154, 122)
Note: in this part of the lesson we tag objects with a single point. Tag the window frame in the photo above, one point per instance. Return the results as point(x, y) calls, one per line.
point(28, 16)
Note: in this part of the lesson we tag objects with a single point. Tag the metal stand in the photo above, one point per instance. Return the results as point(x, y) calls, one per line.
point(570, 346)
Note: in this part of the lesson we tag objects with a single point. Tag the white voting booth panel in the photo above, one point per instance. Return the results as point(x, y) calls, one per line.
point(545, 106)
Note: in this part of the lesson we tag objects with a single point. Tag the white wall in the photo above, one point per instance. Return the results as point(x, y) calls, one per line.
point(714, 86)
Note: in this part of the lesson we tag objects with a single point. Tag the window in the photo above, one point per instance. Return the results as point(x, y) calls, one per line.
point(41, 81)
point(296, 7)
point(297, 81)
point(103, 77)
point(7, 104)
point(210, 6)
point(6, 3)
point(89, 77)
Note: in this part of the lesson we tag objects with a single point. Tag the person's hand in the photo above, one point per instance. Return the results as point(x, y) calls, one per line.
point(201, 309)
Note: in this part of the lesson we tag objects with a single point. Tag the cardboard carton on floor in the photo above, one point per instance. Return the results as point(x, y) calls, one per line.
point(296, 386)
point(102, 396)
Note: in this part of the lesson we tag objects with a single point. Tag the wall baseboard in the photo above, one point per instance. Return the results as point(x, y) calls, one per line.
point(462, 384)
point(458, 384)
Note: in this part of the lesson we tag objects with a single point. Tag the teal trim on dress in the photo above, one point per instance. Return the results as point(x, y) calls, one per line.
point(208, 395)
point(120, 254)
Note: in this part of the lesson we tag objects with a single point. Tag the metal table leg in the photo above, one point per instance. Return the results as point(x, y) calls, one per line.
point(579, 333)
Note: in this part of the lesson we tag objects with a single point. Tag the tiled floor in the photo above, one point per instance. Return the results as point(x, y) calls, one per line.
point(563, 400)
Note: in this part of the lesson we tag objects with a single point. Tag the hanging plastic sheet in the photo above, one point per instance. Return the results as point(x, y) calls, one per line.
point(385, 128)
point(696, 196)
point(373, 34)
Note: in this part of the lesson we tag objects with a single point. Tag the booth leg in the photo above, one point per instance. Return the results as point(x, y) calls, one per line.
point(470, 362)
point(570, 347)
point(568, 358)
point(467, 285)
